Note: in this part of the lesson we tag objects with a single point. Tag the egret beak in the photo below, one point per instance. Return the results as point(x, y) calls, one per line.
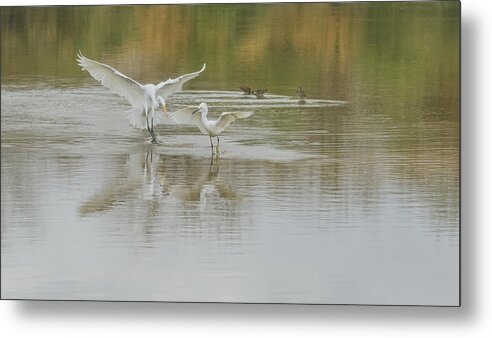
point(195, 111)
point(164, 107)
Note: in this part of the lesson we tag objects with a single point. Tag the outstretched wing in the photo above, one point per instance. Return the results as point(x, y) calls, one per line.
point(166, 88)
point(113, 80)
point(187, 116)
point(227, 118)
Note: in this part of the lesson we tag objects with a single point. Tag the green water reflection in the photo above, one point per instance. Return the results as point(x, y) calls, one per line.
point(404, 52)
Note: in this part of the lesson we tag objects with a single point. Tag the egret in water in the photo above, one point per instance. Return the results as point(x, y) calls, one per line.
point(198, 116)
point(260, 93)
point(144, 99)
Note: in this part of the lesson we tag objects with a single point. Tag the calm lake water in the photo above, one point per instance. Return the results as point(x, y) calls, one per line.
point(350, 197)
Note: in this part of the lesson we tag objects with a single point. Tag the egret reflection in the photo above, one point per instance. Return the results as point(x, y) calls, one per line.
point(208, 186)
point(137, 174)
point(160, 180)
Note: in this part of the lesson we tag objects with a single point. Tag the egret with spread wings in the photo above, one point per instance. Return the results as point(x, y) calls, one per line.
point(198, 116)
point(144, 99)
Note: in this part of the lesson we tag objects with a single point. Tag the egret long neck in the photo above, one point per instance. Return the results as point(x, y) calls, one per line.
point(205, 123)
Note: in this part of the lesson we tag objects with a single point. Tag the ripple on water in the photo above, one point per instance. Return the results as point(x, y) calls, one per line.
point(319, 178)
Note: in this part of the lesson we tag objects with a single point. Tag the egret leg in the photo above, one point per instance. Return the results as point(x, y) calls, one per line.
point(152, 128)
point(211, 144)
point(211, 164)
point(148, 126)
point(152, 135)
point(217, 146)
point(211, 168)
point(150, 131)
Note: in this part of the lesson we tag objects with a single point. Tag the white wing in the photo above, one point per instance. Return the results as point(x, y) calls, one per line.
point(113, 80)
point(227, 118)
point(187, 116)
point(166, 88)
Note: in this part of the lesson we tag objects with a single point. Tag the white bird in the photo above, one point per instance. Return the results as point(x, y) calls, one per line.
point(208, 127)
point(144, 99)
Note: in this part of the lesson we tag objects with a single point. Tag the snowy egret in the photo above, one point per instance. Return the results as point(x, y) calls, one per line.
point(144, 99)
point(208, 127)
point(246, 90)
point(301, 93)
point(260, 93)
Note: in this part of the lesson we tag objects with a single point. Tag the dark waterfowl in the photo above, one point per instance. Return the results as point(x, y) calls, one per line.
point(246, 90)
point(301, 93)
point(260, 93)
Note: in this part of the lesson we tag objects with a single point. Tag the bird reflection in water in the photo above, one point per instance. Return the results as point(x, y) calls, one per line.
point(208, 186)
point(136, 178)
point(147, 175)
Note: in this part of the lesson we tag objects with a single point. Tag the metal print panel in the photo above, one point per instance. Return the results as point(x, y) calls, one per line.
point(257, 153)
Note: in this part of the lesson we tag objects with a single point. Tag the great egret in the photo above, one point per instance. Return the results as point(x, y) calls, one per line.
point(208, 127)
point(246, 90)
point(145, 99)
point(260, 93)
